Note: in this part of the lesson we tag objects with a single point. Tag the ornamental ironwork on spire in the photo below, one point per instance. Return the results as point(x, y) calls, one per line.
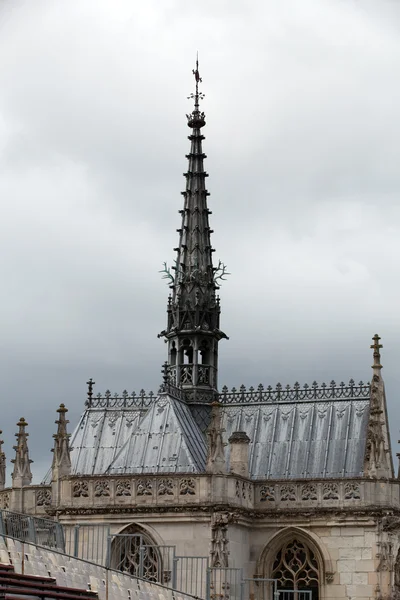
point(193, 310)
point(21, 474)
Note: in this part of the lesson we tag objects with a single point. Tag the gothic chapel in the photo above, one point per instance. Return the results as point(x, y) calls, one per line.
point(279, 492)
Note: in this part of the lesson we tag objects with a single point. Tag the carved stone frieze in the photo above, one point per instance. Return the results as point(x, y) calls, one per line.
point(80, 489)
point(165, 487)
point(309, 492)
point(267, 493)
point(187, 487)
point(101, 488)
point(288, 493)
point(123, 488)
point(43, 498)
point(352, 491)
point(330, 491)
point(144, 487)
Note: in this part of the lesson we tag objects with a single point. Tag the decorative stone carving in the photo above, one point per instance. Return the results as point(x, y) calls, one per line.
point(80, 489)
point(144, 487)
point(377, 462)
point(61, 466)
point(330, 491)
point(237, 488)
point(101, 488)
point(165, 487)
point(288, 493)
point(244, 490)
point(219, 538)
point(187, 487)
point(352, 491)
point(329, 576)
point(309, 492)
point(5, 500)
point(385, 556)
point(21, 474)
point(391, 523)
point(267, 493)
point(123, 488)
point(43, 498)
point(215, 451)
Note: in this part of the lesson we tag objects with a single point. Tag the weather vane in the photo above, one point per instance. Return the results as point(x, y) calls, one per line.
point(197, 95)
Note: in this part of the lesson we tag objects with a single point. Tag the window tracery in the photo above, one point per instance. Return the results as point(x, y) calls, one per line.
point(134, 552)
point(296, 568)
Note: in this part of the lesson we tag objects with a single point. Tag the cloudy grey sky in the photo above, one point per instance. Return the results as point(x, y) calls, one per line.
point(303, 129)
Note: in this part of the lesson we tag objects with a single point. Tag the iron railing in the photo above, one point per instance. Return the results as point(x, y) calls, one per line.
point(36, 530)
point(125, 400)
point(296, 393)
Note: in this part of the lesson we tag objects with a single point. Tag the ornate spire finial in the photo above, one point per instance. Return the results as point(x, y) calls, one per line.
point(61, 460)
point(2, 465)
point(21, 474)
point(376, 346)
point(196, 119)
point(90, 385)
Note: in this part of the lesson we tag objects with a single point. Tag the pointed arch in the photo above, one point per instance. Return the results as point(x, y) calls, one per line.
point(134, 550)
point(316, 553)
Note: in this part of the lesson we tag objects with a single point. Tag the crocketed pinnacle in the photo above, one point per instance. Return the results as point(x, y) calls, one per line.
point(21, 474)
point(61, 460)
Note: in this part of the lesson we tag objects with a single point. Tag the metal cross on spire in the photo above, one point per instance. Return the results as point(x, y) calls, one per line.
point(376, 346)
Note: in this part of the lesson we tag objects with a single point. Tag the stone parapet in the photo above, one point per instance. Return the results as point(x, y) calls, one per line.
point(357, 493)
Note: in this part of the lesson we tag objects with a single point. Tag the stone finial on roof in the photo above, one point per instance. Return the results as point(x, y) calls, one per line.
point(21, 474)
point(378, 461)
point(376, 346)
point(216, 463)
point(61, 466)
point(2, 465)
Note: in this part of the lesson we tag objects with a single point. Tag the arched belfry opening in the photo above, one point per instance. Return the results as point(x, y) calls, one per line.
point(296, 561)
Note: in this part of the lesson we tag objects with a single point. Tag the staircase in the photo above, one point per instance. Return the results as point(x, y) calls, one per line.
point(14, 586)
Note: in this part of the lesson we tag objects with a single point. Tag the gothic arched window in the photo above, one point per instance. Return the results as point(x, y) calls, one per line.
point(136, 553)
point(296, 568)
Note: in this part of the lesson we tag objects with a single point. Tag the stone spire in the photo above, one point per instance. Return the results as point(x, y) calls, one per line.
point(193, 309)
point(378, 460)
point(21, 474)
point(61, 466)
point(2, 465)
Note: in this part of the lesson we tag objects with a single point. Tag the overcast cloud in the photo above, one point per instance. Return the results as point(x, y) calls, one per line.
point(302, 137)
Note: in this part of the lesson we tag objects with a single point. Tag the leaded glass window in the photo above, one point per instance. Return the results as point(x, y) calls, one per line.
point(296, 568)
